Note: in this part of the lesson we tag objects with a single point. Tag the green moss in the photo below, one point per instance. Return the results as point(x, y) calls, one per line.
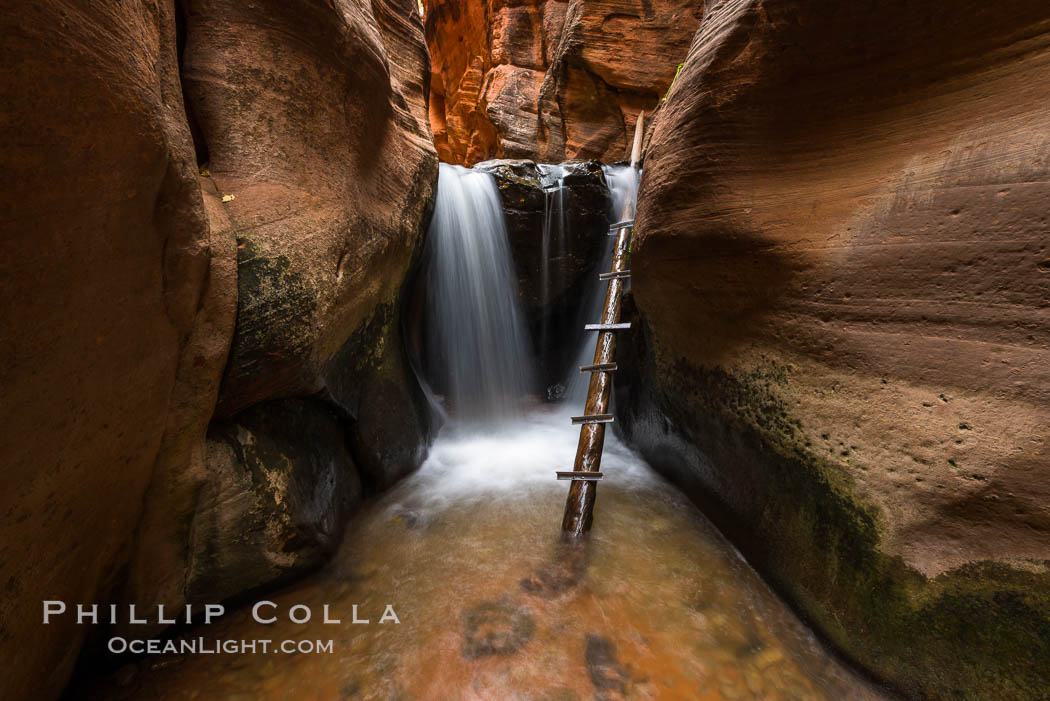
point(978, 632)
point(276, 306)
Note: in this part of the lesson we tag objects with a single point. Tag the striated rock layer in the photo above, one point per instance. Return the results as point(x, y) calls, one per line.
point(116, 308)
point(549, 79)
point(312, 128)
point(841, 264)
point(210, 212)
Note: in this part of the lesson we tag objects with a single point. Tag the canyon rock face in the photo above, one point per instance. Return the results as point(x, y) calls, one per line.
point(569, 206)
point(314, 128)
point(116, 307)
point(549, 80)
point(177, 171)
point(311, 129)
point(841, 267)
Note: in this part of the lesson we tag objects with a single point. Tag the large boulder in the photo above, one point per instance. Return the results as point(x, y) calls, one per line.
point(840, 262)
point(569, 205)
point(311, 130)
point(282, 186)
point(549, 79)
point(280, 487)
point(116, 308)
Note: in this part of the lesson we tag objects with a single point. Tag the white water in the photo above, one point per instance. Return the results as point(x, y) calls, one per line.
point(475, 337)
point(679, 609)
point(514, 462)
point(552, 243)
point(623, 187)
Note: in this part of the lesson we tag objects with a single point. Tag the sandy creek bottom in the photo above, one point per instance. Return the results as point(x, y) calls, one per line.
point(659, 605)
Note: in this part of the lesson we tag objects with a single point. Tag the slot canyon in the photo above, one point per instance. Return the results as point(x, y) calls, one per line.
point(308, 307)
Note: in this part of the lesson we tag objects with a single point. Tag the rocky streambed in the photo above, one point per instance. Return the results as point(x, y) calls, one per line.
point(489, 606)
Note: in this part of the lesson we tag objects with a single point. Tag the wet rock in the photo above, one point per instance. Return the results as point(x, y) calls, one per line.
point(371, 384)
point(496, 628)
point(797, 280)
point(524, 188)
point(282, 488)
point(611, 680)
point(573, 251)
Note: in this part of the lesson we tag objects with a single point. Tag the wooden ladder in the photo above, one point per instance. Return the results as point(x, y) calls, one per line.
point(579, 507)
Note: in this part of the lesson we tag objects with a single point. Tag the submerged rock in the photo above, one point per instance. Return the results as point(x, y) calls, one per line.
point(611, 680)
point(496, 628)
point(563, 572)
point(822, 253)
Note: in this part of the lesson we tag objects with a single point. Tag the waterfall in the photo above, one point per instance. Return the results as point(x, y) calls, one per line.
point(475, 338)
point(623, 186)
point(552, 179)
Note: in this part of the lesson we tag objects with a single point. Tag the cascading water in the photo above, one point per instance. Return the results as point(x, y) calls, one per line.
point(552, 242)
point(662, 606)
point(623, 187)
point(475, 338)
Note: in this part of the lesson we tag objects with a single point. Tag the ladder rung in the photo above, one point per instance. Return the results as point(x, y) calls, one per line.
point(581, 476)
point(593, 419)
point(615, 275)
point(621, 225)
point(607, 327)
point(600, 367)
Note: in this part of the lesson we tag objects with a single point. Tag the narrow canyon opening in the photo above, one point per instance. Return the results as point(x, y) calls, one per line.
point(307, 306)
point(456, 582)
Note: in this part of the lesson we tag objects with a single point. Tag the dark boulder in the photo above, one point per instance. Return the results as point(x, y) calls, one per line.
point(282, 485)
point(553, 275)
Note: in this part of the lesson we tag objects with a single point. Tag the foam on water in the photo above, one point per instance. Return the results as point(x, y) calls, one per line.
point(513, 462)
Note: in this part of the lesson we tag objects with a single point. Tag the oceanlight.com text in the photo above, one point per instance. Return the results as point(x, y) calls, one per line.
point(204, 646)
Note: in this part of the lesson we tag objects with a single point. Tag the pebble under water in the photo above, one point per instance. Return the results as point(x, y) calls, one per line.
point(659, 605)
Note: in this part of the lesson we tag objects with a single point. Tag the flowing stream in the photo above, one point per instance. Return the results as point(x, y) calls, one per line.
point(656, 605)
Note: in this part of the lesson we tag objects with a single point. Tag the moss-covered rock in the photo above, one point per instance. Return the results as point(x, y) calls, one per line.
point(730, 437)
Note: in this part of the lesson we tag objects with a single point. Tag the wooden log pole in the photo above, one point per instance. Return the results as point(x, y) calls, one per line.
point(579, 507)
